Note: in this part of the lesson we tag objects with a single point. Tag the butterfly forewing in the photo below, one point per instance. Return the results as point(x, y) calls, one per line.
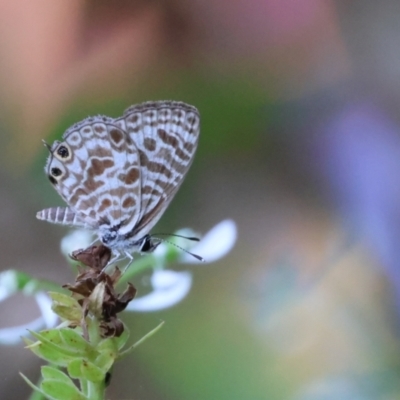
point(122, 173)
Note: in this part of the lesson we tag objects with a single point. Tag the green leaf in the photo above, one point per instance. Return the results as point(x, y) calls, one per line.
point(91, 372)
point(74, 368)
point(76, 343)
point(105, 360)
point(84, 369)
point(33, 386)
point(47, 352)
point(52, 373)
point(67, 313)
point(28, 342)
point(111, 346)
point(53, 342)
point(35, 395)
point(66, 306)
point(51, 335)
point(139, 342)
point(59, 390)
point(108, 345)
point(64, 299)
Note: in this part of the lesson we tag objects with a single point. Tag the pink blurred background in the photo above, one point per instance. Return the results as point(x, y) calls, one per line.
point(300, 145)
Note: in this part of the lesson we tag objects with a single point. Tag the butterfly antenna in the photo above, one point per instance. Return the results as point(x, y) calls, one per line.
point(46, 145)
point(194, 239)
point(197, 257)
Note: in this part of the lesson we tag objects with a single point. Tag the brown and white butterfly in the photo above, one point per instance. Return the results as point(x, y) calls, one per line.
point(118, 176)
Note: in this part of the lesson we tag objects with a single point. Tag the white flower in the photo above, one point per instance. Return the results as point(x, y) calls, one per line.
point(48, 319)
point(76, 239)
point(170, 288)
point(44, 302)
point(215, 244)
point(8, 284)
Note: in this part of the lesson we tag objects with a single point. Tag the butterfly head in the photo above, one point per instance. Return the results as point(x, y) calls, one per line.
point(112, 238)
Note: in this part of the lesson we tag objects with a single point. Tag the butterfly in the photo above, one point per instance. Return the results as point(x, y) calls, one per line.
point(118, 175)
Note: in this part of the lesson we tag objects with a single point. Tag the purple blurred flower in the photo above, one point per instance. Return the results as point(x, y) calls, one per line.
point(360, 152)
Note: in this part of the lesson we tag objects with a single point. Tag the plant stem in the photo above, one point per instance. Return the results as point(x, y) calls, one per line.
point(95, 390)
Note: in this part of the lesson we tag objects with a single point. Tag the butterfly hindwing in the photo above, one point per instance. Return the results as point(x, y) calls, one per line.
point(166, 135)
point(96, 171)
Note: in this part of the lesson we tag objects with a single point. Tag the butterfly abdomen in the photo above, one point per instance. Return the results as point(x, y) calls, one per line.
point(60, 215)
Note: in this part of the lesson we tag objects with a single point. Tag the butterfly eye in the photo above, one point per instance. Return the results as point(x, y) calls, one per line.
point(63, 152)
point(148, 245)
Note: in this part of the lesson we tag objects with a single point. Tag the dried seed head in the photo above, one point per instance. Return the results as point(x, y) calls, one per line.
point(94, 290)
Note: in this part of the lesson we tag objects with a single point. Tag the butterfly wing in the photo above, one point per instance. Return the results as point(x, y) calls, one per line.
point(166, 135)
point(96, 171)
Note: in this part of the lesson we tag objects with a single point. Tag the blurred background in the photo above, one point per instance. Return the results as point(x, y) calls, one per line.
point(300, 145)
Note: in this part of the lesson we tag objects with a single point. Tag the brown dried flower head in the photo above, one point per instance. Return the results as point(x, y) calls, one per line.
point(95, 290)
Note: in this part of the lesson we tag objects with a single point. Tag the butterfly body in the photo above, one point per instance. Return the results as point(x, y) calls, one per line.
point(118, 176)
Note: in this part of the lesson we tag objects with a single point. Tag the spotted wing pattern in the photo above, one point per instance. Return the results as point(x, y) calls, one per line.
point(122, 172)
point(166, 136)
point(96, 171)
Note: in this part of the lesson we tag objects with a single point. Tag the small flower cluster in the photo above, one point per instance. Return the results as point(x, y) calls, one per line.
point(169, 287)
point(91, 336)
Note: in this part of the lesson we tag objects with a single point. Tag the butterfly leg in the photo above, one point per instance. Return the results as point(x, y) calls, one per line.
point(117, 256)
point(130, 257)
point(94, 241)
